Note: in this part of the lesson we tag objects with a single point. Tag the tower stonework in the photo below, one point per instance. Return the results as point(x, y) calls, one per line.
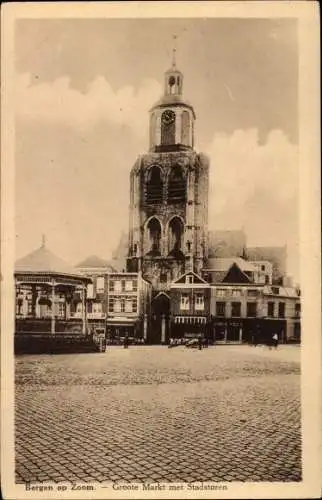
point(168, 229)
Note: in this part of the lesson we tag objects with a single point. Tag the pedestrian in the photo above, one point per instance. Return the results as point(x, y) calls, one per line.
point(199, 342)
point(275, 340)
point(126, 341)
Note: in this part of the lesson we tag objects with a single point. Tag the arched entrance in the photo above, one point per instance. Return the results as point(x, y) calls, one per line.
point(160, 313)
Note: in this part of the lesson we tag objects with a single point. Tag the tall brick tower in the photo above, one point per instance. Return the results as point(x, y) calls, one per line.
point(168, 232)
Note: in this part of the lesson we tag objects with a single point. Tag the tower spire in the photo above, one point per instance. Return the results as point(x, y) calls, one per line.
point(174, 51)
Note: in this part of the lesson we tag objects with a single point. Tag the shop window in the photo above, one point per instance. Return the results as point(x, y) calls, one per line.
point(184, 302)
point(199, 302)
point(251, 309)
point(61, 309)
point(220, 309)
point(271, 309)
point(236, 309)
point(281, 309)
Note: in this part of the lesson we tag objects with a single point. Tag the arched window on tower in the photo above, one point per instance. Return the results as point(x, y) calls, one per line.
point(175, 237)
point(168, 127)
point(185, 128)
point(176, 186)
point(154, 186)
point(153, 237)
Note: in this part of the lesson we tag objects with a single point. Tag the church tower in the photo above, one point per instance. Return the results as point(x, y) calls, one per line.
point(168, 233)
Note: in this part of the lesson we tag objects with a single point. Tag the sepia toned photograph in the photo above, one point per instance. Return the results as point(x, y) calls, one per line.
point(157, 275)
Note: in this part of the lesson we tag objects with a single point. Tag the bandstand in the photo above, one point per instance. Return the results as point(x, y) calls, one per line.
point(48, 292)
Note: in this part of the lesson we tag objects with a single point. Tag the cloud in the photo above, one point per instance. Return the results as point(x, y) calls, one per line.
point(58, 102)
point(255, 186)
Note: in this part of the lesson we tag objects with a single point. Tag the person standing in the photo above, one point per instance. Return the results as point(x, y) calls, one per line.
point(199, 342)
point(275, 340)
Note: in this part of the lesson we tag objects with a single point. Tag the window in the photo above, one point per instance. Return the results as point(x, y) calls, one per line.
point(97, 307)
point(236, 309)
point(175, 235)
point(262, 267)
point(61, 309)
point(111, 285)
point(154, 186)
point(163, 277)
point(281, 309)
point(266, 279)
point(298, 310)
point(128, 285)
point(176, 186)
point(90, 291)
point(135, 285)
point(111, 305)
point(189, 279)
point(271, 309)
point(220, 292)
point(236, 293)
point(252, 293)
point(220, 308)
point(275, 290)
point(131, 305)
point(79, 307)
point(185, 302)
point(128, 305)
point(100, 284)
point(153, 237)
point(117, 286)
point(199, 302)
point(251, 309)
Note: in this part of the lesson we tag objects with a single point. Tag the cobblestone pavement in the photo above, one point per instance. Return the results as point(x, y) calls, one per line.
point(228, 413)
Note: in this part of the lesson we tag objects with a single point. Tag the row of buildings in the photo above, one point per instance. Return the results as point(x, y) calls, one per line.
point(170, 277)
point(230, 301)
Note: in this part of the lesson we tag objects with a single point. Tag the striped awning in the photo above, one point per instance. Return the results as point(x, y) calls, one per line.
point(190, 320)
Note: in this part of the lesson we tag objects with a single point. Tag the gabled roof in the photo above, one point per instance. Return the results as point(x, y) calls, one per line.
point(94, 261)
point(43, 260)
point(236, 275)
point(225, 263)
point(197, 279)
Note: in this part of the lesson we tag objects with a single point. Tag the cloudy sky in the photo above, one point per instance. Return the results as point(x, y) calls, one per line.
point(82, 93)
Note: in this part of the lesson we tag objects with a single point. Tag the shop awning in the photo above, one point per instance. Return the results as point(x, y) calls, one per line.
point(190, 320)
point(121, 321)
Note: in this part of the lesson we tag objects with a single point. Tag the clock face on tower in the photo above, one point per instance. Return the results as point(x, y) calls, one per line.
point(168, 117)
